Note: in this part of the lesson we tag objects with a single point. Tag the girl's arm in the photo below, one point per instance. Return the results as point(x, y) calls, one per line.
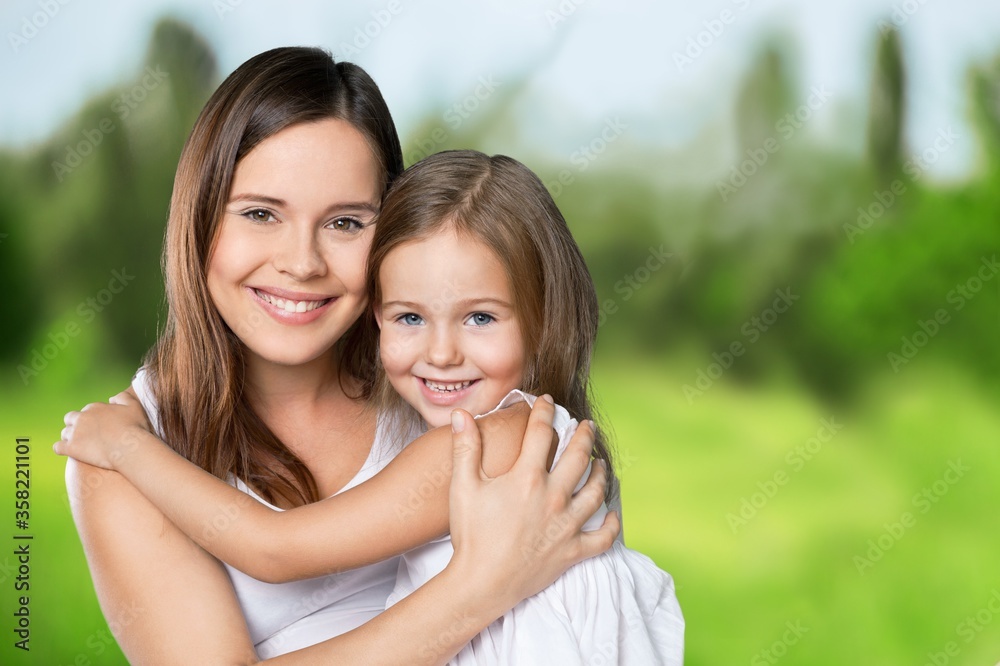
point(168, 602)
point(403, 506)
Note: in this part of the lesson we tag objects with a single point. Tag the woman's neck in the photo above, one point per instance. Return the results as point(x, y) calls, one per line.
point(306, 407)
point(275, 387)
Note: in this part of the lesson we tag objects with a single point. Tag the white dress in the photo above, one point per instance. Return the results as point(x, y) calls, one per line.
point(616, 608)
point(284, 617)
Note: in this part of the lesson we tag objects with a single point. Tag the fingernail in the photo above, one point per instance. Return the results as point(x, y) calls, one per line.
point(548, 398)
point(457, 422)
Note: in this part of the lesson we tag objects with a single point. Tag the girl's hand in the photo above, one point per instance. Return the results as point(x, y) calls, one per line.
point(516, 533)
point(101, 434)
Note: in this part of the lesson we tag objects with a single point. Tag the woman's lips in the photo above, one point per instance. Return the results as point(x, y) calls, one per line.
point(289, 307)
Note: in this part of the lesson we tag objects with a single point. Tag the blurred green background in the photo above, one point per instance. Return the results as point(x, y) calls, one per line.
point(798, 353)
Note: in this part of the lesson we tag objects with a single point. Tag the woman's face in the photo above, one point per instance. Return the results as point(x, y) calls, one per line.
point(287, 270)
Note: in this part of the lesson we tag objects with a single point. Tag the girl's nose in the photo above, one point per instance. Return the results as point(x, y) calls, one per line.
point(443, 349)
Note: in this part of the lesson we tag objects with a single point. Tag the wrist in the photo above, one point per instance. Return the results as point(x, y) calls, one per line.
point(132, 439)
point(483, 597)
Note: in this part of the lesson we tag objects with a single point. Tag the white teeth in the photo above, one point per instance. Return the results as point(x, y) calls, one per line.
point(289, 305)
point(436, 386)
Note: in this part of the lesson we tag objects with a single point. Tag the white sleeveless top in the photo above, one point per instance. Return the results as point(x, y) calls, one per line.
point(285, 617)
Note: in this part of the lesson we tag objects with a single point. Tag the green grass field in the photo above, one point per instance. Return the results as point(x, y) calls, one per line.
point(823, 566)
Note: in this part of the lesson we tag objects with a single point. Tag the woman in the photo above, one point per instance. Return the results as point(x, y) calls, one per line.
point(261, 377)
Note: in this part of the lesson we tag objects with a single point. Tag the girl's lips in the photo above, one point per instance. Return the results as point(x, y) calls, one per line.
point(444, 398)
point(276, 302)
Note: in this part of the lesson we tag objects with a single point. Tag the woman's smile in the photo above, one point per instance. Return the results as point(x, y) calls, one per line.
point(291, 307)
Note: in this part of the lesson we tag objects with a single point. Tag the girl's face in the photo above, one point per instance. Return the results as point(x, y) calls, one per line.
point(287, 270)
point(449, 337)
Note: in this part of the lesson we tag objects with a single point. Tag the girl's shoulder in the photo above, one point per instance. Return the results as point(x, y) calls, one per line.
point(560, 421)
point(564, 424)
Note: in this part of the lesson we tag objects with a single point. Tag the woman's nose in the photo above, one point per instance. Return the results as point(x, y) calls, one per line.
point(298, 254)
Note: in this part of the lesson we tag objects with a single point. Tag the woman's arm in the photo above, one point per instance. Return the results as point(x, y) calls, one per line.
point(403, 506)
point(168, 602)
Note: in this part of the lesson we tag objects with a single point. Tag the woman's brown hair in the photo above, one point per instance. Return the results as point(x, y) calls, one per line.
point(197, 365)
point(498, 201)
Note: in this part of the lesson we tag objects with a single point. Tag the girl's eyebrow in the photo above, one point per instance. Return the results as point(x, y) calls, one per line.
point(250, 197)
point(464, 303)
point(486, 300)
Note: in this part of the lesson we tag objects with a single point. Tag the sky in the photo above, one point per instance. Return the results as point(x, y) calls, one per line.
point(590, 61)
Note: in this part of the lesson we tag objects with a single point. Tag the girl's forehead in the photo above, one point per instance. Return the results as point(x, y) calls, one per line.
point(445, 267)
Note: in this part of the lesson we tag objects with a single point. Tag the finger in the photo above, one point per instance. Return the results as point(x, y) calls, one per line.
point(538, 435)
point(598, 541)
point(573, 464)
point(60, 448)
point(467, 449)
point(71, 417)
point(583, 505)
point(126, 397)
point(66, 434)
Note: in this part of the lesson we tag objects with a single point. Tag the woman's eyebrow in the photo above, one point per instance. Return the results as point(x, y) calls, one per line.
point(257, 198)
point(250, 197)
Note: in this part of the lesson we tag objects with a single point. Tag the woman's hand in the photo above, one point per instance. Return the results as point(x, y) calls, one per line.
point(101, 434)
point(518, 532)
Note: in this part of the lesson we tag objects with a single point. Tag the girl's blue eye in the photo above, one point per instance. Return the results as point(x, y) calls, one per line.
point(411, 319)
point(348, 224)
point(259, 215)
point(481, 319)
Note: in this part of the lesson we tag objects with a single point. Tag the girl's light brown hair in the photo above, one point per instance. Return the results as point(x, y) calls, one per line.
point(501, 203)
point(198, 364)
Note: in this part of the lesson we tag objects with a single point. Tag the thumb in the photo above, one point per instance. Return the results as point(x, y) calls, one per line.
point(126, 397)
point(466, 447)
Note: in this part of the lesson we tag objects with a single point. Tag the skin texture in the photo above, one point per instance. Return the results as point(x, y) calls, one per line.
point(165, 598)
point(447, 318)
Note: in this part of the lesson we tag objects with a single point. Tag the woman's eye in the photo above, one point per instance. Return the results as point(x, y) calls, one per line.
point(349, 224)
point(411, 319)
point(259, 215)
point(481, 319)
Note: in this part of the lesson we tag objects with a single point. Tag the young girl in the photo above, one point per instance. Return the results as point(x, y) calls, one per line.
point(482, 299)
